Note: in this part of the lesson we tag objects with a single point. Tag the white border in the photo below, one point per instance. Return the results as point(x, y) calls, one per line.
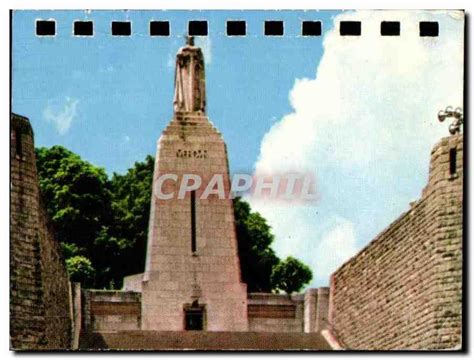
point(238, 5)
point(183, 4)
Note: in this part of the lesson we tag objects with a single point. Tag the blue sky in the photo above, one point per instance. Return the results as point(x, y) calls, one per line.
point(122, 88)
point(357, 112)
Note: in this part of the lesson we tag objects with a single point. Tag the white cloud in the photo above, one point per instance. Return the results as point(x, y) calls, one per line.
point(204, 42)
point(367, 120)
point(335, 247)
point(61, 113)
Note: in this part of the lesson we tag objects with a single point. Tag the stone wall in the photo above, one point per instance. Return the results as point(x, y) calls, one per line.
point(316, 303)
point(76, 301)
point(306, 312)
point(404, 289)
point(275, 312)
point(105, 310)
point(56, 289)
point(40, 312)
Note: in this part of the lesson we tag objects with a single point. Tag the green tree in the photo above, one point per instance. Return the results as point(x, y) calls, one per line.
point(290, 275)
point(69, 250)
point(76, 194)
point(131, 196)
point(104, 220)
point(80, 269)
point(78, 200)
point(257, 258)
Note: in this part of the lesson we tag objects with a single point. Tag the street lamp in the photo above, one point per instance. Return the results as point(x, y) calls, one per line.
point(458, 116)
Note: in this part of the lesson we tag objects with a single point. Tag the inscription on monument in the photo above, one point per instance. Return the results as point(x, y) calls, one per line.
point(197, 154)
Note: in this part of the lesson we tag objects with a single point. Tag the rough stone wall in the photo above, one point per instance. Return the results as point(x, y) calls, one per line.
point(111, 310)
point(404, 289)
point(40, 315)
point(56, 289)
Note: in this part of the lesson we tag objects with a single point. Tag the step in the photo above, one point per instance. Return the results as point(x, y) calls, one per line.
point(201, 340)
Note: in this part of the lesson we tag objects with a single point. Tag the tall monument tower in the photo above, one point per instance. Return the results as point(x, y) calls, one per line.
point(192, 277)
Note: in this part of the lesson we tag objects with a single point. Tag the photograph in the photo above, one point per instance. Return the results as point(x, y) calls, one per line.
point(237, 180)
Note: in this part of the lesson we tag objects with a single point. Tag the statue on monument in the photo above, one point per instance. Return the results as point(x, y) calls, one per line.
point(189, 83)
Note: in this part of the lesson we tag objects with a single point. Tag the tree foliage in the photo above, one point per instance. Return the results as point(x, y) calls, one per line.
point(76, 193)
point(80, 269)
point(257, 258)
point(290, 275)
point(131, 207)
point(102, 225)
point(261, 269)
point(78, 200)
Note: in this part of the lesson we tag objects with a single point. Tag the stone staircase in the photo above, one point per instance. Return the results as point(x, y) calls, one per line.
point(201, 340)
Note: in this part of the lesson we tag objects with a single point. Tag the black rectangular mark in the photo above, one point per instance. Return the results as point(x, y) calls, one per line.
point(193, 221)
point(390, 28)
point(350, 28)
point(429, 28)
point(197, 28)
point(83, 28)
point(45, 27)
point(121, 28)
point(18, 143)
point(452, 161)
point(236, 28)
point(311, 28)
point(274, 28)
point(159, 28)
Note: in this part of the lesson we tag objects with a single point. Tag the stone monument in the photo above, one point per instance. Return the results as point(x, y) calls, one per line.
point(192, 278)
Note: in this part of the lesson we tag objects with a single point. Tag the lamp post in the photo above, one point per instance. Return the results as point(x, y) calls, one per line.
point(456, 114)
